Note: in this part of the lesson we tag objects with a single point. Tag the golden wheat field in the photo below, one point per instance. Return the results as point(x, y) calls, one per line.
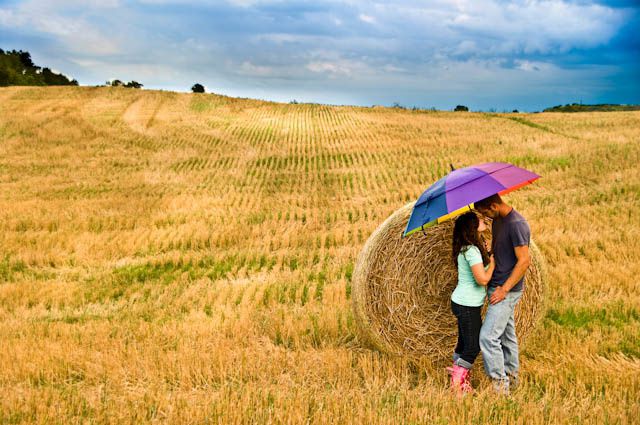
point(188, 258)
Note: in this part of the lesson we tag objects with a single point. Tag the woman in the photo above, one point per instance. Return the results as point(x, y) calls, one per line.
point(475, 267)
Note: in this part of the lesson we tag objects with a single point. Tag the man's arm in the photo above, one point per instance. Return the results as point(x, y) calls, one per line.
point(524, 260)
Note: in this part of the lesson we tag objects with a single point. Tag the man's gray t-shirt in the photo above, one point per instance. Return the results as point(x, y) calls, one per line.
point(507, 233)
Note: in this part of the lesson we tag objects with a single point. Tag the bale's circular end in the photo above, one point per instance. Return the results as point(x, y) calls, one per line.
point(402, 289)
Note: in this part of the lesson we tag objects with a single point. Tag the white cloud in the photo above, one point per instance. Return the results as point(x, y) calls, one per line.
point(529, 66)
point(540, 26)
point(243, 3)
point(328, 67)
point(367, 18)
point(339, 67)
point(280, 38)
point(237, 3)
point(248, 68)
point(392, 68)
point(466, 47)
point(532, 26)
point(75, 33)
point(7, 18)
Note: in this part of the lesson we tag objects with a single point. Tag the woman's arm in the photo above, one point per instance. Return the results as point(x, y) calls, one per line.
point(481, 275)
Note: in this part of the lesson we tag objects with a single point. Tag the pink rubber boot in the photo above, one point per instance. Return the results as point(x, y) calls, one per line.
point(460, 379)
point(466, 384)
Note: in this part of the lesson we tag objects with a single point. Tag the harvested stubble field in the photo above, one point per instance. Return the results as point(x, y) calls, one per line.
point(188, 258)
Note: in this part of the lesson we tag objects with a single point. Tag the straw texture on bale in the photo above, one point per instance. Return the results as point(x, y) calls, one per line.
point(402, 289)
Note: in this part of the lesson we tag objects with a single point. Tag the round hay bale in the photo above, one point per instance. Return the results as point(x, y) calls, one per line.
point(402, 289)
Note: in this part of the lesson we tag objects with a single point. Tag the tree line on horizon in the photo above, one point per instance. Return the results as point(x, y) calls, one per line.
point(118, 83)
point(196, 88)
point(601, 107)
point(17, 69)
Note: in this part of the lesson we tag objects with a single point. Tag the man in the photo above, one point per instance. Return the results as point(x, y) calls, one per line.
point(510, 246)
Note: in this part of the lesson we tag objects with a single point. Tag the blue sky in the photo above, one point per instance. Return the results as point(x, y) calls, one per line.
point(524, 54)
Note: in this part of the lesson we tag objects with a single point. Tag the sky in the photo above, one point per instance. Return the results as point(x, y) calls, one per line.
point(485, 54)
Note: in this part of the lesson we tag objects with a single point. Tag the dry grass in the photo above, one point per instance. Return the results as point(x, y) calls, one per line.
point(402, 291)
point(189, 259)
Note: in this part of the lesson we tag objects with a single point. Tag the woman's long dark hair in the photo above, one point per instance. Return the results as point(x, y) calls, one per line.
point(465, 232)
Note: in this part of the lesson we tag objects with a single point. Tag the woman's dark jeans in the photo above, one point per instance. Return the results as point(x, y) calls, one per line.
point(469, 324)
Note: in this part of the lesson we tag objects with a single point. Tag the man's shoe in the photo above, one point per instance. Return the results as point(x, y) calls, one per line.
point(514, 382)
point(500, 386)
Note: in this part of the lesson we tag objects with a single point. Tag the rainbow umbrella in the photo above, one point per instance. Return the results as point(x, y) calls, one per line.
point(456, 192)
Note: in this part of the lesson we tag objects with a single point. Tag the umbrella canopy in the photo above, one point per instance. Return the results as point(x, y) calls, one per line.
point(456, 192)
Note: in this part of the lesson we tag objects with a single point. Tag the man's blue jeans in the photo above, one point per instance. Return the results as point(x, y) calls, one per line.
point(498, 340)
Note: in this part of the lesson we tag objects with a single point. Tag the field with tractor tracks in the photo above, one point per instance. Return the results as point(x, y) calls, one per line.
point(187, 258)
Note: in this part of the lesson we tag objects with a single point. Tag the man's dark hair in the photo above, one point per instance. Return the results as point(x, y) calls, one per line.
point(486, 202)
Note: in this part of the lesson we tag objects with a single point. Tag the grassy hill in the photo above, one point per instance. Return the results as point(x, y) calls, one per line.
point(604, 107)
point(188, 258)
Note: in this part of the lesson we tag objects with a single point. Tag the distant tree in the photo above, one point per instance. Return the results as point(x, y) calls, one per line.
point(461, 108)
point(5, 78)
point(17, 69)
point(515, 111)
point(133, 84)
point(197, 88)
point(53, 79)
point(25, 58)
point(119, 83)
